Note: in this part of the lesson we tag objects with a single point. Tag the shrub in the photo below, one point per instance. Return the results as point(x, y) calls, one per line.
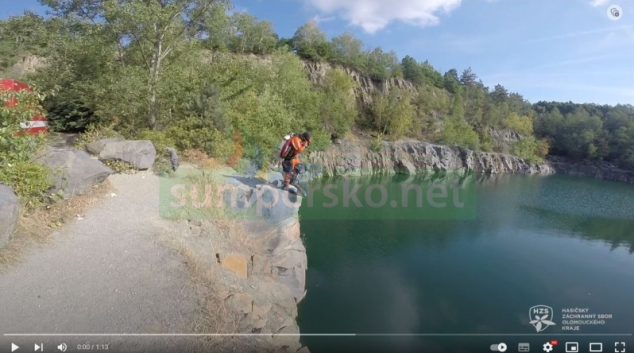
point(120, 167)
point(29, 180)
point(376, 144)
point(242, 166)
point(190, 133)
point(66, 113)
point(531, 149)
point(159, 139)
point(96, 132)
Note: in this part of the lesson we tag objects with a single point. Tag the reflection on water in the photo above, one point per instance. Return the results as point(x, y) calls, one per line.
point(558, 241)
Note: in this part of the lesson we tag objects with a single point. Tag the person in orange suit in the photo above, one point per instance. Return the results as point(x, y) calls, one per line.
point(290, 164)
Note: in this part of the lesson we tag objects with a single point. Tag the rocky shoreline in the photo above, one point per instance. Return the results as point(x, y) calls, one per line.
point(415, 157)
point(596, 170)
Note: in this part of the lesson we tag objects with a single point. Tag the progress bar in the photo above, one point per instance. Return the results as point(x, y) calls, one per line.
point(311, 334)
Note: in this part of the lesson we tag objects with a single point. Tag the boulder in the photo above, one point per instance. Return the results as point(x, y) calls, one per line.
point(73, 171)
point(140, 153)
point(9, 208)
point(405, 167)
point(276, 206)
point(276, 178)
point(97, 146)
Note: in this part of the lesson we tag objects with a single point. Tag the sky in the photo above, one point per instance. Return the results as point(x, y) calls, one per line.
point(553, 50)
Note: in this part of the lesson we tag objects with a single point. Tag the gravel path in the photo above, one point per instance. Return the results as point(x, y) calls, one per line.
point(104, 274)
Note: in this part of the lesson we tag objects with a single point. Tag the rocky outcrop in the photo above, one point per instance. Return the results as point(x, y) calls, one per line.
point(366, 87)
point(98, 146)
point(141, 154)
point(265, 274)
point(26, 65)
point(414, 157)
point(73, 171)
point(597, 170)
point(9, 209)
point(504, 139)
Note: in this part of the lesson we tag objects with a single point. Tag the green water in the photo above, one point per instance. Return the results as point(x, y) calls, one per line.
point(559, 241)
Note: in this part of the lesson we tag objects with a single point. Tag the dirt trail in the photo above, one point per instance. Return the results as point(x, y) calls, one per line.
point(104, 274)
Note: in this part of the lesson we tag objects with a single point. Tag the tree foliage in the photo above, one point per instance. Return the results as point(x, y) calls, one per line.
point(177, 67)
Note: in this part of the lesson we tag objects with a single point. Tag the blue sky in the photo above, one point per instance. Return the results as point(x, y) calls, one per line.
point(544, 49)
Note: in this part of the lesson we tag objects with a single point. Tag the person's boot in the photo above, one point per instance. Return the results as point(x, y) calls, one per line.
point(287, 181)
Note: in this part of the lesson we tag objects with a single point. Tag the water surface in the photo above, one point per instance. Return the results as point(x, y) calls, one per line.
point(559, 241)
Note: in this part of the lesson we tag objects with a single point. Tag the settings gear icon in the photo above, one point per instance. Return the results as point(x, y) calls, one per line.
point(548, 347)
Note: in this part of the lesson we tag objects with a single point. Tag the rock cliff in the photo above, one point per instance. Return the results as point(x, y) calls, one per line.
point(415, 157)
point(605, 171)
point(366, 87)
point(261, 278)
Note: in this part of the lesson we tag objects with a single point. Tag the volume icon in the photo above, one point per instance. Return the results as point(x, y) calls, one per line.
point(62, 347)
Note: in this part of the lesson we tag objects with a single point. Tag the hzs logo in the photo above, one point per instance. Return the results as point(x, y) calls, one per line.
point(541, 316)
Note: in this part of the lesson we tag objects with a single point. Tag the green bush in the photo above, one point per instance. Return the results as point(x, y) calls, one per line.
point(159, 139)
point(190, 133)
point(376, 144)
point(29, 180)
point(96, 132)
point(66, 113)
point(242, 166)
point(531, 149)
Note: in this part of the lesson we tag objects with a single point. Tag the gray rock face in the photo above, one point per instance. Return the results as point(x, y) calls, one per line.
point(140, 153)
point(366, 86)
point(605, 171)
point(504, 139)
point(73, 171)
point(356, 158)
point(9, 209)
point(97, 146)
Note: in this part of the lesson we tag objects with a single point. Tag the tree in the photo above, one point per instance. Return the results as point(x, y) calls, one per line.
point(456, 130)
point(499, 94)
point(432, 76)
point(451, 81)
point(348, 50)
point(251, 35)
point(219, 29)
point(380, 65)
point(310, 42)
point(468, 78)
point(155, 29)
point(338, 109)
point(393, 112)
point(412, 71)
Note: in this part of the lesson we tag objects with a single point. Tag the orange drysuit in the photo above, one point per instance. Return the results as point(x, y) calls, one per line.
point(289, 165)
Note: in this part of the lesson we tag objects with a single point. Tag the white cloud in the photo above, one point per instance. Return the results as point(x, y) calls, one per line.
point(598, 2)
point(581, 33)
point(375, 15)
point(320, 19)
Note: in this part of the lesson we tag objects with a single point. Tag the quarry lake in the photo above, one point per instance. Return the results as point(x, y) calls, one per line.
point(558, 246)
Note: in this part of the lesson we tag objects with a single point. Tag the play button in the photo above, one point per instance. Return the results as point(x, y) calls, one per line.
point(14, 347)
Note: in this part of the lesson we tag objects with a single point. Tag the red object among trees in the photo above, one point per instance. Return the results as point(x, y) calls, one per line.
point(38, 123)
